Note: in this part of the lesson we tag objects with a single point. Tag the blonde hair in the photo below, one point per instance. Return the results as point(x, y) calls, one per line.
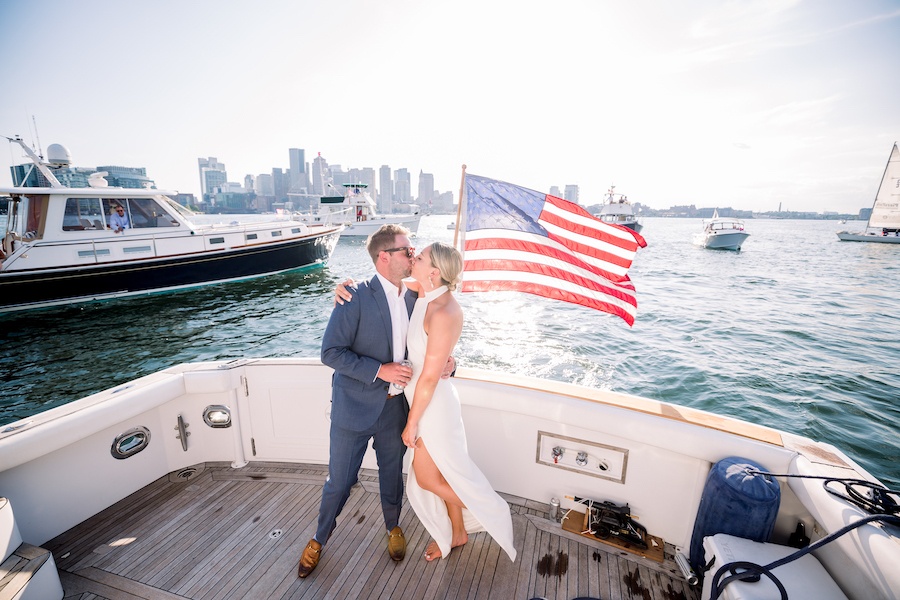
point(448, 261)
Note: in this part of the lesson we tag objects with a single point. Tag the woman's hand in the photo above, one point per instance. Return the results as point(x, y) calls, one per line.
point(342, 291)
point(410, 434)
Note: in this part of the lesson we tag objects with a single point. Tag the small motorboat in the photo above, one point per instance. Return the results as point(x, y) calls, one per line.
point(722, 233)
point(65, 244)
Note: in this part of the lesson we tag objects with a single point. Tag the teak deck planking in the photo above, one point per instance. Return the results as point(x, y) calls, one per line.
point(226, 533)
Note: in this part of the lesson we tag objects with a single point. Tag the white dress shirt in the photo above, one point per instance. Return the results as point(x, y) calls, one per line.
point(396, 299)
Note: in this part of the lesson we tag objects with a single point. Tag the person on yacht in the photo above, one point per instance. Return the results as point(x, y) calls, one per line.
point(118, 220)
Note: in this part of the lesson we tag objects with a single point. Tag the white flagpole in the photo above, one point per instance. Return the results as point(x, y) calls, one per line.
point(459, 209)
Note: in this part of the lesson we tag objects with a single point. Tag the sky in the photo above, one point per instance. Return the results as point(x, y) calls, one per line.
point(752, 104)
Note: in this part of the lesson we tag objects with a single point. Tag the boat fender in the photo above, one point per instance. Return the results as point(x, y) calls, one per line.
point(739, 499)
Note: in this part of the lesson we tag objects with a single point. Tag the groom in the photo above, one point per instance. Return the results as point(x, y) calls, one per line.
point(364, 343)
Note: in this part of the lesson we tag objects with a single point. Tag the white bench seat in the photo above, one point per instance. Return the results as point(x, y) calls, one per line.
point(804, 578)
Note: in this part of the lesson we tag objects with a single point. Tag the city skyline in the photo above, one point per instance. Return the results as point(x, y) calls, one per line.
point(750, 104)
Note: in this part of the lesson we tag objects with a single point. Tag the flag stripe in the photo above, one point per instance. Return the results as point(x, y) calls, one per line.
point(499, 268)
point(551, 290)
point(552, 246)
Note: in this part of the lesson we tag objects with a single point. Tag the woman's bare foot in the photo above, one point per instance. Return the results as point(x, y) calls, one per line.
point(433, 551)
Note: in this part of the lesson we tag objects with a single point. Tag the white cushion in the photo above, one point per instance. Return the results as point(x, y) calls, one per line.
point(10, 539)
point(804, 578)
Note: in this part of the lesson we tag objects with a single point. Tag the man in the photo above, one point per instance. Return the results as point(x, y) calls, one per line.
point(365, 342)
point(118, 221)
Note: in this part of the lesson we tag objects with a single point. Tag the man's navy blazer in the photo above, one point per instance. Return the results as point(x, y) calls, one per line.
point(357, 341)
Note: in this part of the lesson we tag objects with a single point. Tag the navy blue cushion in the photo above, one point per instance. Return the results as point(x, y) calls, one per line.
point(735, 502)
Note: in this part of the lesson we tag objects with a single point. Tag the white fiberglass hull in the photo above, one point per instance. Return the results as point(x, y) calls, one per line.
point(354, 228)
point(721, 241)
point(367, 228)
point(845, 236)
point(57, 468)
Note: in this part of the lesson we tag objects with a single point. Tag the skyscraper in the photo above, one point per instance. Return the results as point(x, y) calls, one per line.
point(319, 168)
point(572, 193)
point(212, 175)
point(402, 187)
point(299, 176)
point(385, 191)
point(426, 189)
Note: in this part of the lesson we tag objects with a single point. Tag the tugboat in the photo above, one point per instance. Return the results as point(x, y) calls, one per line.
point(619, 211)
point(77, 244)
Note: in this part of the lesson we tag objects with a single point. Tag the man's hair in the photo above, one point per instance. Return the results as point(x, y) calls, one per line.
point(383, 239)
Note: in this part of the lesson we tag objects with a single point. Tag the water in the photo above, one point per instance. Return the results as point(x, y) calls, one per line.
point(798, 331)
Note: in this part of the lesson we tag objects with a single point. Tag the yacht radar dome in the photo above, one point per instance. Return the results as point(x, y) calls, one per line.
point(58, 156)
point(96, 180)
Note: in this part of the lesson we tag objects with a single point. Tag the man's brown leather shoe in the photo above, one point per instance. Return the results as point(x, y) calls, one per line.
point(310, 558)
point(396, 544)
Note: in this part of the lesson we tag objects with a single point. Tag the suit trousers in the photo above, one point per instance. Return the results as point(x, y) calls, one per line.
point(347, 449)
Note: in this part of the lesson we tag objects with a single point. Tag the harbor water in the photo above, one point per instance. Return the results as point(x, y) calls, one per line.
point(798, 331)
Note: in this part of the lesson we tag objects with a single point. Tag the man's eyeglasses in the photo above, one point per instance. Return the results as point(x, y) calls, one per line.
point(409, 250)
point(120, 210)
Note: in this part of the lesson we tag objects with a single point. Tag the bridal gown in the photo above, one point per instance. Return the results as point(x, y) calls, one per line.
point(441, 429)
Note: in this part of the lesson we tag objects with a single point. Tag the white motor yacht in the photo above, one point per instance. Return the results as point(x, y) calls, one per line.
point(356, 211)
point(619, 211)
point(65, 244)
point(204, 481)
point(722, 233)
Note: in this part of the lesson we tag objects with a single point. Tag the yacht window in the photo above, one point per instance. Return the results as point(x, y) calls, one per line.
point(147, 212)
point(83, 213)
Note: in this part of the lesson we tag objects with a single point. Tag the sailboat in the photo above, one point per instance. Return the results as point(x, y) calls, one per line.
point(884, 222)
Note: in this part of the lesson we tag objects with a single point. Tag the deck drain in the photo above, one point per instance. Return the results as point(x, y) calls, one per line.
point(187, 473)
point(275, 534)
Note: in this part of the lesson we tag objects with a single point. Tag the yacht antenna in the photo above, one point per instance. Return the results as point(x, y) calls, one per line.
point(37, 137)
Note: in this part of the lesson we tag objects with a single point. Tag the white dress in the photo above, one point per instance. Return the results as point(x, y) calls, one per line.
point(441, 429)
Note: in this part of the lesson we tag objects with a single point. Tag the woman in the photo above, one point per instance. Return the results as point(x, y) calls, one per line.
point(448, 492)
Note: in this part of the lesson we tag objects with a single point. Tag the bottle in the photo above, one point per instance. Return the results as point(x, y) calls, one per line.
point(554, 509)
point(406, 363)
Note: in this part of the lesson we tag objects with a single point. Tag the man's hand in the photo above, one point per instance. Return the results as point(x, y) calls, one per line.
point(449, 368)
point(395, 373)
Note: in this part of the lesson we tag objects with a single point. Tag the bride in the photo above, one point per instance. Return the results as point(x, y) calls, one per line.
point(448, 492)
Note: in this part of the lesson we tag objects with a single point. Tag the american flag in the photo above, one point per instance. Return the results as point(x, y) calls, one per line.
point(516, 239)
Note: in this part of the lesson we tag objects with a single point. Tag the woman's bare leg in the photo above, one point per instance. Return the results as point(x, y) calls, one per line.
point(429, 477)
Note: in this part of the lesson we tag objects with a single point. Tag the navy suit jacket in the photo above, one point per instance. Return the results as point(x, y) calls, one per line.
point(357, 341)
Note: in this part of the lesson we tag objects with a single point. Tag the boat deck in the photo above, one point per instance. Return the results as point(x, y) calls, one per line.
point(218, 532)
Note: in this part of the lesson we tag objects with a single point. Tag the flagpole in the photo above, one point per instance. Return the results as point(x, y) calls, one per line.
point(462, 185)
